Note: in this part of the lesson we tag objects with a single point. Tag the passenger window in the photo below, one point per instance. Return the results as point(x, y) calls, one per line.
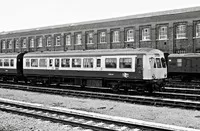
point(65, 62)
point(76, 62)
point(1, 62)
point(98, 62)
point(43, 63)
point(6, 62)
point(111, 63)
point(50, 62)
point(34, 62)
point(164, 65)
point(11, 62)
point(27, 62)
point(179, 62)
point(125, 63)
point(88, 62)
point(57, 62)
point(158, 63)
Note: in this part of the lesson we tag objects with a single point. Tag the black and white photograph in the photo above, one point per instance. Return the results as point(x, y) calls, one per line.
point(106, 65)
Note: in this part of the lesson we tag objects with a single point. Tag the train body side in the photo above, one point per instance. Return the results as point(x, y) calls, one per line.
point(119, 66)
point(184, 66)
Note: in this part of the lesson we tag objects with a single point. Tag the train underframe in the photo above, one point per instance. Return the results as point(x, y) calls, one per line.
point(115, 84)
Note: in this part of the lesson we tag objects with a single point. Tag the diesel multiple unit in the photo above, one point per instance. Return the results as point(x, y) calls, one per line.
point(140, 69)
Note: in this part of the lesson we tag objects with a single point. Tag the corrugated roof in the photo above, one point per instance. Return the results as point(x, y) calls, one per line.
point(94, 52)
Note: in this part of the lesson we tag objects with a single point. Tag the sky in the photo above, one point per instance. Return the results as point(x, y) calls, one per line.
point(27, 14)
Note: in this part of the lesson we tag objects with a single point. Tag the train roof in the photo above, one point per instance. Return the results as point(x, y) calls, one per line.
point(9, 55)
point(185, 55)
point(127, 51)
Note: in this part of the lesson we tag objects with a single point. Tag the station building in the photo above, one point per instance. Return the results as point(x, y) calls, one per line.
point(173, 31)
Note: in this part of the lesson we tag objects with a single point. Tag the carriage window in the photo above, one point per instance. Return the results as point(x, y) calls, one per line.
point(179, 62)
point(65, 63)
point(43, 63)
point(57, 62)
point(11, 62)
point(158, 62)
point(1, 62)
point(164, 65)
point(88, 62)
point(50, 62)
point(151, 62)
point(27, 62)
point(98, 62)
point(34, 62)
point(76, 62)
point(125, 63)
point(111, 62)
point(6, 62)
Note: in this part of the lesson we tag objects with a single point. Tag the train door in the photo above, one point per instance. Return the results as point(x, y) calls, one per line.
point(139, 66)
point(20, 64)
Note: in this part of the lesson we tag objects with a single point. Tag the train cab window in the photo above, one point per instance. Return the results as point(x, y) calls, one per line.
point(50, 62)
point(88, 62)
point(179, 62)
point(164, 65)
point(1, 62)
point(76, 62)
point(43, 63)
point(11, 62)
point(6, 62)
point(34, 62)
point(27, 62)
point(111, 63)
point(57, 62)
point(65, 62)
point(125, 63)
point(158, 62)
point(98, 62)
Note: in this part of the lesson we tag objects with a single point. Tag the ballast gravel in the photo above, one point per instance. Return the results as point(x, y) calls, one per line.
point(164, 115)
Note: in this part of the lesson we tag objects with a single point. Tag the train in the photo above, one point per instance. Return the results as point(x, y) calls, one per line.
point(141, 69)
point(184, 67)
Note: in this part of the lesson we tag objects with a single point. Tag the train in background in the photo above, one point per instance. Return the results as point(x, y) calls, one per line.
point(139, 69)
point(185, 67)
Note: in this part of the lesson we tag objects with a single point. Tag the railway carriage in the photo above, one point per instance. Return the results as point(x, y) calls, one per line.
point(11, 66)
point(184, 66)
point(141, 68)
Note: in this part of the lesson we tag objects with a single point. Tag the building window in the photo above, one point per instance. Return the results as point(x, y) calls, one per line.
point(24, 43)
point(40, 42)
point(198, 30)
point(3, 44)
point(58, 41)
point(181, 31)
point(68, 39)
point(78, 39)
point(31, 43)
point(130, 35)
point(89, 38)
point(103, 37)
point(146, 34)
point(162, 33)
point(115, 36)
point(48, 41)
point(10, 44)
point(16, 44)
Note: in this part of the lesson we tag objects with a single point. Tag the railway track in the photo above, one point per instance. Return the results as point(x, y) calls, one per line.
point(82, 120)
point(160, 99)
